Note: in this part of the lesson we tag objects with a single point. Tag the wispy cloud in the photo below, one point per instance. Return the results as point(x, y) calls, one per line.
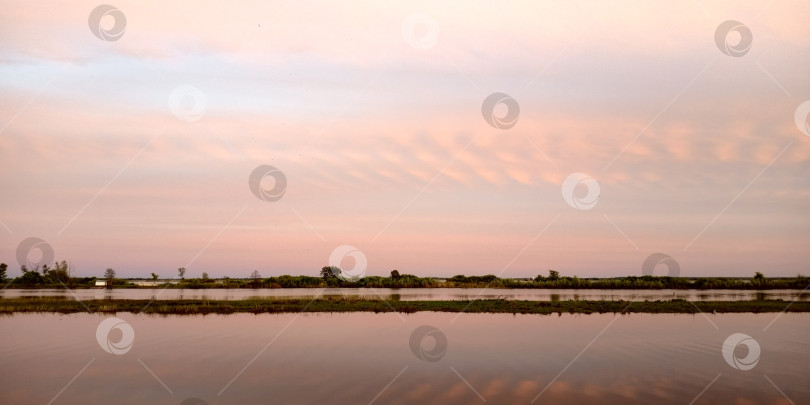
point(360, 122)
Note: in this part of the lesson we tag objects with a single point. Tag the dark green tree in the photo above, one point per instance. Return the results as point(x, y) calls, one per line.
point(60, 273)
point(109, 275)
point(29, 278)
point(255, 279)
point(395, 274)
point(3, 269)
point(759, 280)
point(329, 272)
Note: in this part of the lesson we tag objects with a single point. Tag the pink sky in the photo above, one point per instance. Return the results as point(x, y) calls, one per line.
point(384, 145)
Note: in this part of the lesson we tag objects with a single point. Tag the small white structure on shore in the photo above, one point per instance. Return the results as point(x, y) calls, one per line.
point(101, 283)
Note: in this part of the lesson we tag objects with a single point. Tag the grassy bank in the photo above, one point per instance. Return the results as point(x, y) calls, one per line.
point(353, 304)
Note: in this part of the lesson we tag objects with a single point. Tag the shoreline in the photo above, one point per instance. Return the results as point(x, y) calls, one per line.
point(525, 286)
point(33, 280)
point(10, 306)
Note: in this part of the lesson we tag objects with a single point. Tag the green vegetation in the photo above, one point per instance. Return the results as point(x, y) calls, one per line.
point(46, 277)
point(109, 276)
point(555, 281)
point(357, 304)
point(60, 277)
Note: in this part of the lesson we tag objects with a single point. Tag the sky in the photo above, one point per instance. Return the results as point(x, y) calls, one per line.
point(465, 137)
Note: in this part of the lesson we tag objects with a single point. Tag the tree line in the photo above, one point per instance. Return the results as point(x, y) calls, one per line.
point(59, 276)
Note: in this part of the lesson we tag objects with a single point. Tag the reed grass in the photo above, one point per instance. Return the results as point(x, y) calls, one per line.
point(360, 304)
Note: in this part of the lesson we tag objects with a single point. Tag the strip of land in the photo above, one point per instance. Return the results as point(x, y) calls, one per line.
point(355, 304)
point(60, 277)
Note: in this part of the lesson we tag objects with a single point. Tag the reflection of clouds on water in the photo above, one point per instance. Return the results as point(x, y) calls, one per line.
point(350, 357)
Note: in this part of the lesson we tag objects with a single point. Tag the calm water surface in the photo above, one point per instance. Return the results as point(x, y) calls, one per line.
point(358, 358)
point(407, 294)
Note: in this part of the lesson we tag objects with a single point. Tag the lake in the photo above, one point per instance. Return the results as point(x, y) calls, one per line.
point(441, 358)
point(407, 294)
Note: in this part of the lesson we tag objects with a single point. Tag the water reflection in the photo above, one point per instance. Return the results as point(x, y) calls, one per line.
point(355, 358)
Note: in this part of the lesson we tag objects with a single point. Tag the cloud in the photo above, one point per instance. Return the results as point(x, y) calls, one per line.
point(370, 131)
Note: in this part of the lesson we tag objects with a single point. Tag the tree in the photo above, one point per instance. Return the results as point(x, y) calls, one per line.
point(109, 274)
point(154, 276)
point(328, 272)
point(29, 278)
point(205, 276)
point(3, 269)
point(759, 279)
point(553, 275)
point(60, 272)
point(255, 279)
point(181, 272)
point(395, 274)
